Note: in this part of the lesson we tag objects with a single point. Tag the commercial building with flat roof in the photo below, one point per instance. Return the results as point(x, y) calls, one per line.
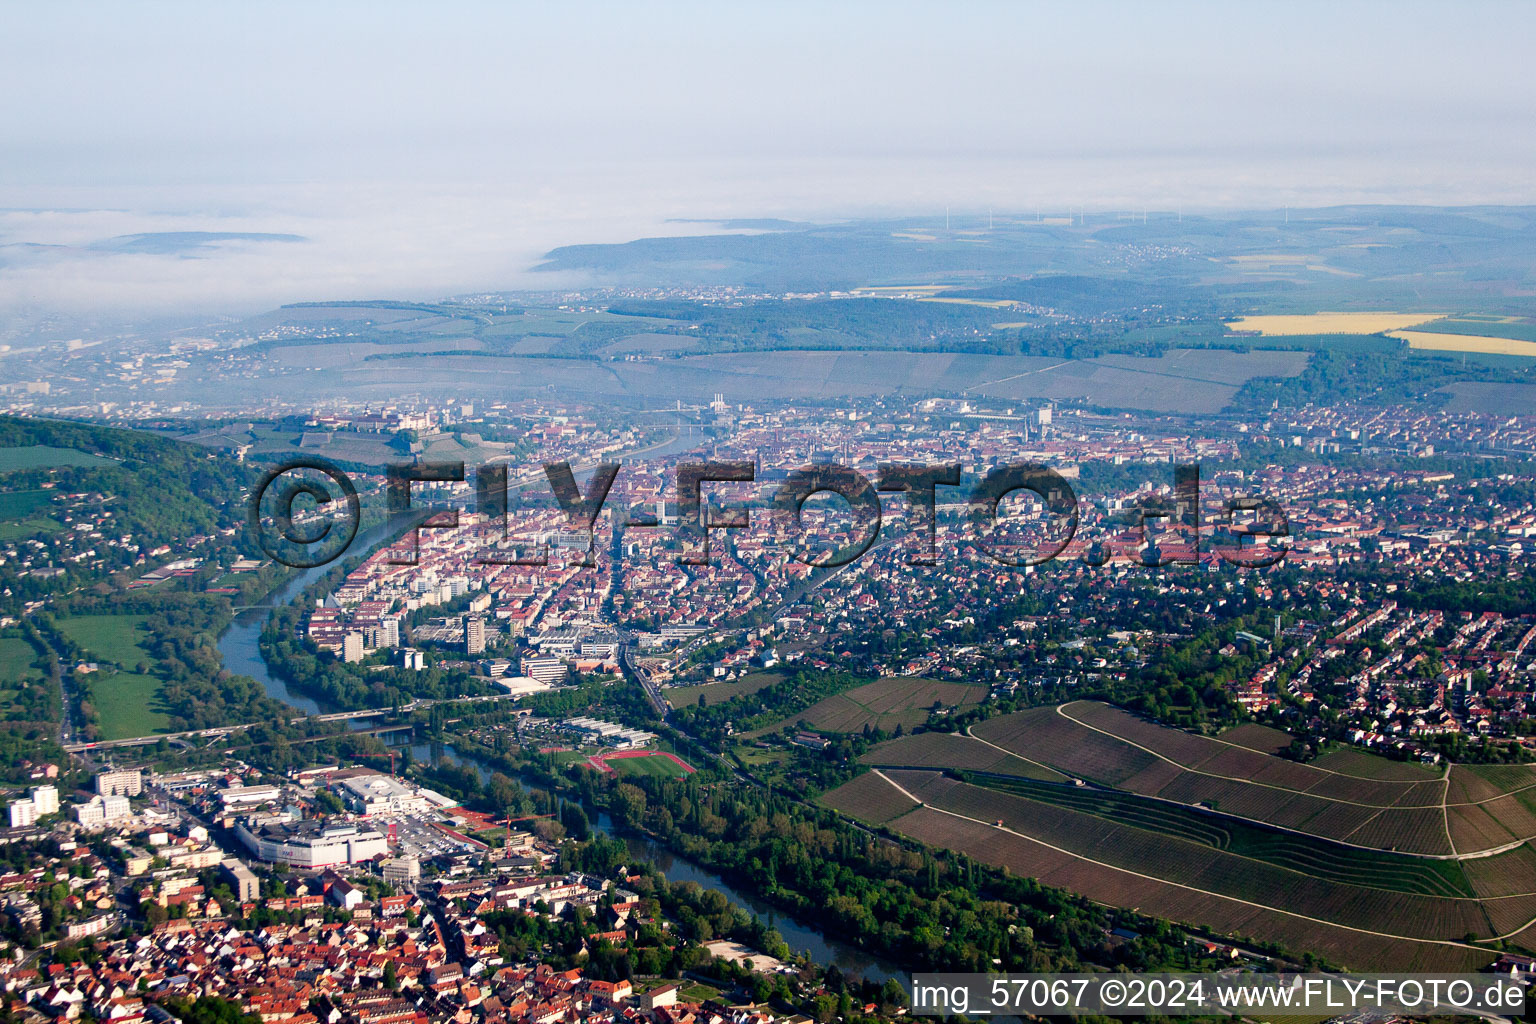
point(310, 843)
point(381, 794)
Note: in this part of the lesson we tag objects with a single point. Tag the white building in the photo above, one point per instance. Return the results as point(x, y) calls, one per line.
point(120, 782)
point(600, 650)
point(240, 796)
point(381, 794)
point(399, 870)
point(345, 895)
point(23, 813)
point(100, 810)
point(595, 730)
point(545, 670)
point(46, 798)
point(312, 844)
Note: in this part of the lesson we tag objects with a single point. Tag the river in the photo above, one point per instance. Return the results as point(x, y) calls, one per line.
point(240, 645)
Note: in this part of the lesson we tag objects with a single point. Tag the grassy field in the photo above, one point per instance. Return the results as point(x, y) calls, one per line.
point(16, 659)
point(110, 638)
point(22, 514)
point(17, 668)
point(16, 504)
point(42, 456)
point(885, 704)
point(716, 693)
point(127, 702)
point(754, 757)
point(1330, 323)
point(127, 705)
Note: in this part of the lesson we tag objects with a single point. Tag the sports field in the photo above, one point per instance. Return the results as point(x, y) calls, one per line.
point(642, 762)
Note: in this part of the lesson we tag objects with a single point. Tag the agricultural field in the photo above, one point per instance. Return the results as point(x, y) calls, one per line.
point(1472, 783)
point(22, 514)
point(1360, 806)
point(954, 750)
point(1371, 863)
point(869, 798)
point(1317, 858)
point(1257, 737)
point(1519, 328)
point(1354, 948)
point(885, 704)
point(1356, 925)
point(1363, 765)
point(1198, 865)
point(1443, 342)
point(1329, 323)
point(42, 456)
point(1503, 874)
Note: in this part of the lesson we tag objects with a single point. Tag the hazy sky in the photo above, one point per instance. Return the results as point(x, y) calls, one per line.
point(432, 148)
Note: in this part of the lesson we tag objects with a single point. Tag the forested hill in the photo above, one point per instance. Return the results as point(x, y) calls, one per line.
point(116, 556)
point(80, 504)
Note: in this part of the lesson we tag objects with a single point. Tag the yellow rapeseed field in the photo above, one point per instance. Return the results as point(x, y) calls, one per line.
point(1330, 323)
point(989, 303)
point(1465, 343)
